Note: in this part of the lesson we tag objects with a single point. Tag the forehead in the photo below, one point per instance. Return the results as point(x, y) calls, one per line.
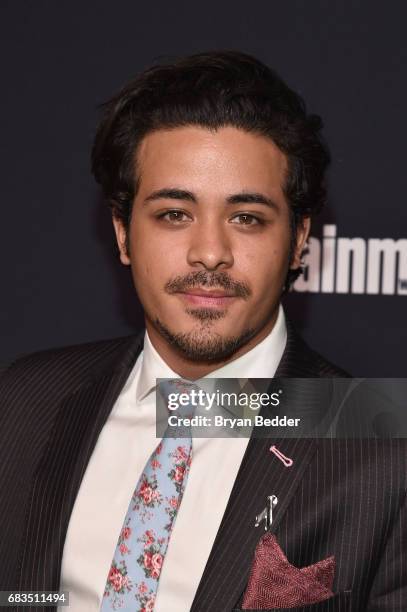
point(226, 159)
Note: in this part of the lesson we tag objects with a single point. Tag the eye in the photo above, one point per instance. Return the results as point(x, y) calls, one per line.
point(246, 219)
point(174, 216)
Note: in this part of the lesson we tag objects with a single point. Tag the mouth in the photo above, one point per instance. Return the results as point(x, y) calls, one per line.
point(215, 298)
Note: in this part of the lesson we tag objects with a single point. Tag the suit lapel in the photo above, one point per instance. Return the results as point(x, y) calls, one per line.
point(261, 474)
point(79, 421)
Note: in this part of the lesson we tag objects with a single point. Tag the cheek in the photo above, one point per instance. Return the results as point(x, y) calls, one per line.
point(265, 269)
point(154, 260)
point(264, 261)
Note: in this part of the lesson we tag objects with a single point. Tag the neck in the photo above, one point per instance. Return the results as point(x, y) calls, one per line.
point(193, 370)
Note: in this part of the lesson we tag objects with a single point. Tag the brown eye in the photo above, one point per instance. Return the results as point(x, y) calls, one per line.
point(244, 219)
point(174, 216)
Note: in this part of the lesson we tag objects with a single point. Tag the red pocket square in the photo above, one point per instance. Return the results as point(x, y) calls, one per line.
point(275, 583)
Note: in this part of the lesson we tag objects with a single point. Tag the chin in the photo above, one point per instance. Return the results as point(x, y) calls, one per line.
point(203, 344)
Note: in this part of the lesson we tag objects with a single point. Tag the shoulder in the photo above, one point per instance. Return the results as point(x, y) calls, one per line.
point(299, 360)
point(39, 391)
point(69, 366)
point(324, 367)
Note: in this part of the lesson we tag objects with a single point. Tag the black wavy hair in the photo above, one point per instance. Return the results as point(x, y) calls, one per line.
point(212, 90)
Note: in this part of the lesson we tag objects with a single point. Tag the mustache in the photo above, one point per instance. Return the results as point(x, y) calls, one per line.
point(208, 279)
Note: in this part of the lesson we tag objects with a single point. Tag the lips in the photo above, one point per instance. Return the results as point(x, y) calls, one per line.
point(214, 298)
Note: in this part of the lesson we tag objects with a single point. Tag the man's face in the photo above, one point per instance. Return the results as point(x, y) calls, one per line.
point(209, 239)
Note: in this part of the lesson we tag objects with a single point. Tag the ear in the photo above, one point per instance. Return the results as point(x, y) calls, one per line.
point(303, 230)
point(121, 236)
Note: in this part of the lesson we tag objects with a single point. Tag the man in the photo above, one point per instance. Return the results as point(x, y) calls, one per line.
point(212, 169)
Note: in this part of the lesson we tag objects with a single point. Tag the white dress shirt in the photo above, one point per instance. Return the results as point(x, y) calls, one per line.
point(120, 455)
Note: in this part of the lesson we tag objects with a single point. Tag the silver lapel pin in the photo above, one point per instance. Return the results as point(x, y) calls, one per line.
point(267, 514)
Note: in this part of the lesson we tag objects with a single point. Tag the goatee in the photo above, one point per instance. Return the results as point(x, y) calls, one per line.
point(203, 345)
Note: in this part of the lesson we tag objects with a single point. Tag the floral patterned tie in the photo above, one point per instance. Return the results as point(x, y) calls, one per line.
point(133, 577)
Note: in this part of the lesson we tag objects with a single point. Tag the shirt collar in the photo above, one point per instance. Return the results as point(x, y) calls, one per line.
point(260, 362)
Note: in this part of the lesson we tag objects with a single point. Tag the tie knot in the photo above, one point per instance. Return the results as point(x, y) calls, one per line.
point(179, 396)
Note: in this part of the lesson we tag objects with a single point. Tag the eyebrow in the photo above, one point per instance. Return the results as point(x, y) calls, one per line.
point(245, 197)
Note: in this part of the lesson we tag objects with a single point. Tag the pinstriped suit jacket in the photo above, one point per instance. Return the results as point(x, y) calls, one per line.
point(345, 498)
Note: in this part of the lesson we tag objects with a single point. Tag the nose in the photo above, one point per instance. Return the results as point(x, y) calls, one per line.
point(210, 247)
